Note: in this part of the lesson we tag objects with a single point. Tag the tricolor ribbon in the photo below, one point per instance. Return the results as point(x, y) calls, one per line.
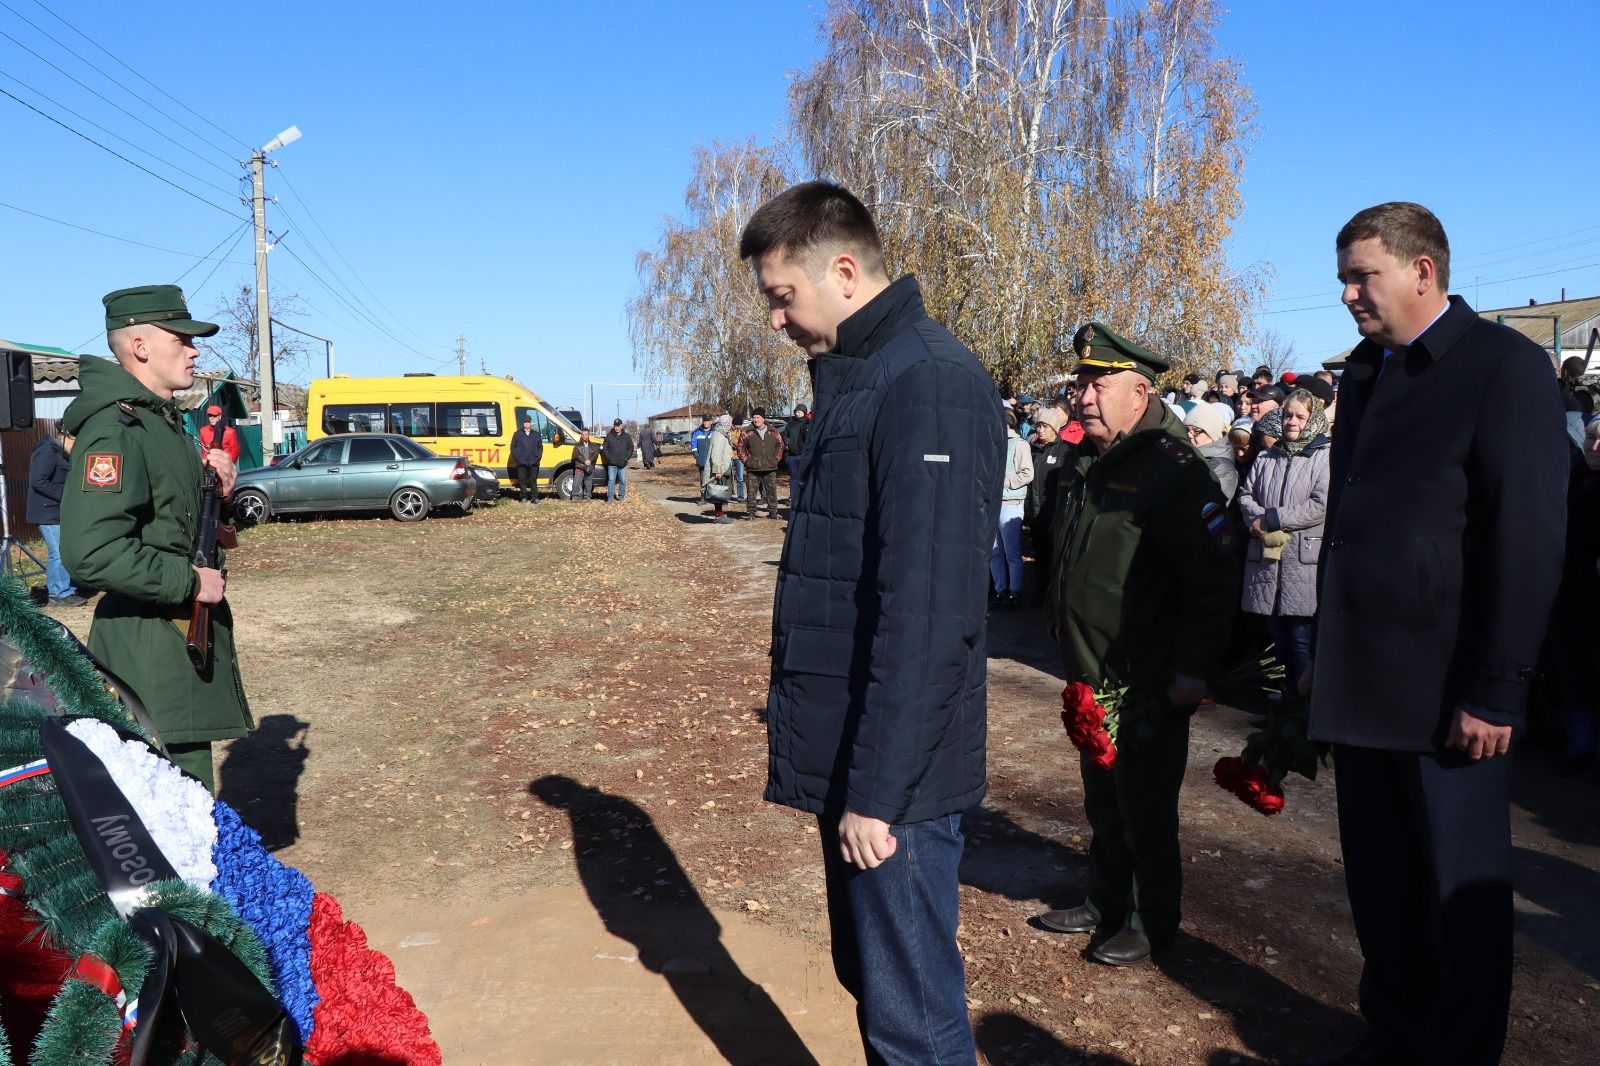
point(95, 971)
point(23, 772)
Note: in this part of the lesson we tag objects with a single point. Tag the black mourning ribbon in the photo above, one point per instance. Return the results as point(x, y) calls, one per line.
point(222, 1003)
point(119, 848)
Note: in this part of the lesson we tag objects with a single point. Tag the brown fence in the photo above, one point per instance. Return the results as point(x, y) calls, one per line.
point(16, 448)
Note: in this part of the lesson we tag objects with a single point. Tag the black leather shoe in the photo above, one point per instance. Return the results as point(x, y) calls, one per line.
point(1129, 947)
point(1367, 1052)
point(1079, 919)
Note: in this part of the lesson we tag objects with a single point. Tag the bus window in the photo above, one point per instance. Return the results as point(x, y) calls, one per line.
point(541, 424)
point(412, 419)
point(471, 419)
point(354, 418)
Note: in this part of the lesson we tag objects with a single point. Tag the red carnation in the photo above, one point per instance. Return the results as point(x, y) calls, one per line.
point(1270, 801)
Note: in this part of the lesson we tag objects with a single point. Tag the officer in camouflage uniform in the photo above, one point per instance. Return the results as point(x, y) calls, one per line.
point(130, 515)
point(1142, 597)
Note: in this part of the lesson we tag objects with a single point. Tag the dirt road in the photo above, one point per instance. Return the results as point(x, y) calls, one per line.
point(526, 749)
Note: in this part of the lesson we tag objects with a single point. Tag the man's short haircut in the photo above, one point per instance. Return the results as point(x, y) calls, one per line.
point(1573, 366)
point(1325, 375)
point(814, 216)
point(1406, 231)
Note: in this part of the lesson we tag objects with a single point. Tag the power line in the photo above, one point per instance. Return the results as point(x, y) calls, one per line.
point(335, 294)
point(248, 147)
point(119, 155)
point(240, 231)
point(335, 248)
point(113, 236)
point(1464, 260)
point(188, 174)
point(119, 85)
point(113, 103)
point(332, 272)
point(215, 266)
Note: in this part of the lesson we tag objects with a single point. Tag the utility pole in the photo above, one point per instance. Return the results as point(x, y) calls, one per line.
point(258, 208)
point(461, 353)
point(269, 407)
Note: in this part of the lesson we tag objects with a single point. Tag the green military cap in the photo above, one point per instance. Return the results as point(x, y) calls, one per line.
point(158, 305)
point(1100, 350)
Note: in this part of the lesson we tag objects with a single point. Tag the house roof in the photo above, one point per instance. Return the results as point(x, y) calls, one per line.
point(693, 410)
point(1537, 322)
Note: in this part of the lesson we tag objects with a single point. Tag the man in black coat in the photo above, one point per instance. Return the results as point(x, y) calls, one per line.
point(1441, 561)
point(796, 432)
point(47, 475)
point(876, 710)
point(527, 449)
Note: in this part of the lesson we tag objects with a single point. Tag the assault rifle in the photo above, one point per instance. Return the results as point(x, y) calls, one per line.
point(212, 535)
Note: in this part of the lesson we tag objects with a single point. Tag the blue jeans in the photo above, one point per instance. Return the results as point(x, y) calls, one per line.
point(894, 944)
point(1005, 558)
point(616, 481)
point(56, 578)
point(1291, 641)
point(738, 479)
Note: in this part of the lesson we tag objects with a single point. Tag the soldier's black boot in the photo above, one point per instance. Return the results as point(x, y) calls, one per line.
point(1079, 919)
point(1128, 947)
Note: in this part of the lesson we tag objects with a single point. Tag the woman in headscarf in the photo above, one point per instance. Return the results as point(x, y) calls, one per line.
point(1283, 502)
point(719, 464)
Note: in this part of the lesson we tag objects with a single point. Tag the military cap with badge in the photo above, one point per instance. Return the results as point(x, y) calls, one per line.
point(1102, 351)
point(155, 305)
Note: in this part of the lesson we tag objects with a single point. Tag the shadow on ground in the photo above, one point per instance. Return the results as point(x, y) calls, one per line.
point(643, 896)
point(1010, 1040)
point(261, 778)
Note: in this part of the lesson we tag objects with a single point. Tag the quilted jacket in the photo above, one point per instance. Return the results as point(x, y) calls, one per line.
point(877, 698)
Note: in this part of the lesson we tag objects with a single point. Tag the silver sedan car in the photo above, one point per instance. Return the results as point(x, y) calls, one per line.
point(356, 472)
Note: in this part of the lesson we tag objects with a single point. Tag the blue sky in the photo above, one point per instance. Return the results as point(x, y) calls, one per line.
point(492, 169)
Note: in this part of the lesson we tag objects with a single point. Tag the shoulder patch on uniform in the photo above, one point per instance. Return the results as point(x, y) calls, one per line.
point(1175, 450)
point(1215, 518)
point(103, 471)
point(128, 417)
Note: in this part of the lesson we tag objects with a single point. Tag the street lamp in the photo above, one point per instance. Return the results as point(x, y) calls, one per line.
point(258, 203)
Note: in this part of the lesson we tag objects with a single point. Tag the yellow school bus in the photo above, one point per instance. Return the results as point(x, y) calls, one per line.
point(472, 416)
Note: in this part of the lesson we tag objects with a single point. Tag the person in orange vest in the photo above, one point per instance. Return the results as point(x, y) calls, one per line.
point(230, 439)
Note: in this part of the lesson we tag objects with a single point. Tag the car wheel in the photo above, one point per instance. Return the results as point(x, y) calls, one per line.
point(251, 507)
point(409, 504)
point(568, 485)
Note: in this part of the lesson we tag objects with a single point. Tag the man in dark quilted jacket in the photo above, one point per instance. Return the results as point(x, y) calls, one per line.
point(876, 708)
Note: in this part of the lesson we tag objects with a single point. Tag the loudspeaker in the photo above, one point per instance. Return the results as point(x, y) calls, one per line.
point(16, 397)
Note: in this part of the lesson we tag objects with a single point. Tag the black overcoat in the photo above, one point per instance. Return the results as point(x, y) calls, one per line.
point(1443, 542)
point(879, 673)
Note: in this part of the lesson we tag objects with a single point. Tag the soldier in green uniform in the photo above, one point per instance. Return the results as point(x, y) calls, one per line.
point(130, 514)
point(1142, 597)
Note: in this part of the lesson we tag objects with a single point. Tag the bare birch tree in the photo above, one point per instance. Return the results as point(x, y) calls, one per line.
point(1041, 163)
point(234, 345)
point(697, 317)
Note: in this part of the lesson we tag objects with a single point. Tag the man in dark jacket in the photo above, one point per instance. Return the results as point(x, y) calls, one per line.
point(761, 449)
point(584, 456)
point(527, 450)
point(618, 451)
point(876, 709)
point(1439, 566)
point(795, 433)
point(47, 474)
point(1145, 588)
point(647, 447)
